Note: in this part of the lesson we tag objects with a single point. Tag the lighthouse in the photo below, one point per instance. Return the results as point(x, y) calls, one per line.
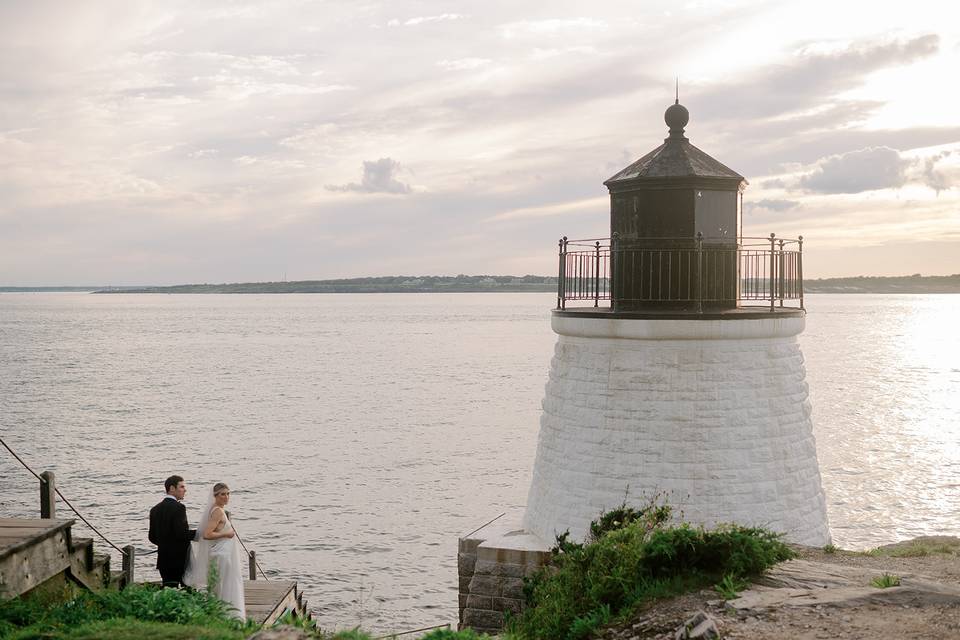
point(689, 383)
point(676, 375)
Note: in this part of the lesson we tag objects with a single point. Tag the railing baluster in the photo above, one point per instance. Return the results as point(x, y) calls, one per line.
point(782, 281)
point(596, 274)
point(800, 267)
point(699, 272)
point(773, 267)
point(560, 270)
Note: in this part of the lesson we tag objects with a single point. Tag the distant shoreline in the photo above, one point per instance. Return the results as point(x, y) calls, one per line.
point(913, 284)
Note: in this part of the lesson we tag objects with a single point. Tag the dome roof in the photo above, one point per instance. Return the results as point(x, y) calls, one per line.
point(676, 157)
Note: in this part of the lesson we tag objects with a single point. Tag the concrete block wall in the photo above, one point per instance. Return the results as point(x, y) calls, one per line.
point(714, 415)
point(492, 564)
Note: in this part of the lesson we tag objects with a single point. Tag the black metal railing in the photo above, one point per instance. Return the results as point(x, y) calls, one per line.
point(694, 273)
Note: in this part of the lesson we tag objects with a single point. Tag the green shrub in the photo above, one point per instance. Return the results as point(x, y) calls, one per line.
point(653, 514)
point(449, 634)
point(633, 560)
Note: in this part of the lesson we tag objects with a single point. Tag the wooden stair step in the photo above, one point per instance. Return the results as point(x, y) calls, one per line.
point(101, 562)
point(83, 546)
point(118, 580)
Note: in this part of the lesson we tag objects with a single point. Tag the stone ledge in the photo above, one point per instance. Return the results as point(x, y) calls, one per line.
point(498, 557)
point(770, 326)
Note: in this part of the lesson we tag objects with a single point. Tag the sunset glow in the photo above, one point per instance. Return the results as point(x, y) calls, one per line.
point(163, 143)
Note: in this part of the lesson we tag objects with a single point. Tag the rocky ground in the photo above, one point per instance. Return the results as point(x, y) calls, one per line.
point(823, 595)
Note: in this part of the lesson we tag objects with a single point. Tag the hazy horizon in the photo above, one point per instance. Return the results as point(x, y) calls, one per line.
point(395, 275)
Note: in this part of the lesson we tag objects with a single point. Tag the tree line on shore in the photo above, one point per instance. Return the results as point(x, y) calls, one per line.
point(915, 283)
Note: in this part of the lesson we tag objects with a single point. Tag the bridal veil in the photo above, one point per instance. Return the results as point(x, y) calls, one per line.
point(198, 561)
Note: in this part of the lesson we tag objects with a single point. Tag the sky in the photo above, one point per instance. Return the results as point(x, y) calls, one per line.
point(189, 142)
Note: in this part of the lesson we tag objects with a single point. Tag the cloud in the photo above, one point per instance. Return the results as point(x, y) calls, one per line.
point(203, 153)
point(551, 27)
point(595, 205)
point(378, 177)
point(545, 54)
point(413, 22)
point(939, 179)
point(179, 129)
point(857, 171)
point(771, 204)
point(464, 64)
point(803, 83)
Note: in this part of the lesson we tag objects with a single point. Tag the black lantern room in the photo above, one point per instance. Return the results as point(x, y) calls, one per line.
point(671, 207)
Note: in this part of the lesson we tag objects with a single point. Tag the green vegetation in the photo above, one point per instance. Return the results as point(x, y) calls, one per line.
point(385, 284)
point(915, 283)
point(918, 548)
point(829, 549)
point(730, 587)
point(448, 634)
point(886, 581)
point(633, 557)
point(140, 611)
point(147, 612)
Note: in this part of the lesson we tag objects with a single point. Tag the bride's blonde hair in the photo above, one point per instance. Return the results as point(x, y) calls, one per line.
point(220, 486)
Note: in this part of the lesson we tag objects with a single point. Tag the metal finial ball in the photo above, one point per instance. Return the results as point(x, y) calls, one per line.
point(676, 117)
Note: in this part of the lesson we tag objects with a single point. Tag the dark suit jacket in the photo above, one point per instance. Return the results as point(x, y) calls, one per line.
point(172, 535)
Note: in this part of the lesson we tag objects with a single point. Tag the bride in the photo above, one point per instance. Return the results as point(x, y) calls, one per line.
point(215, 548)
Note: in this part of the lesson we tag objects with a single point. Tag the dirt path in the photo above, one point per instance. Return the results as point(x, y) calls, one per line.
point(829, 595)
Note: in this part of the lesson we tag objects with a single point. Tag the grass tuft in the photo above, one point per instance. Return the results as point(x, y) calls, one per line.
point(730, 587)
point(886, 581)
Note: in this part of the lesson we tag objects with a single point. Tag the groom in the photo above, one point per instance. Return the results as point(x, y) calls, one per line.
point(171, 533)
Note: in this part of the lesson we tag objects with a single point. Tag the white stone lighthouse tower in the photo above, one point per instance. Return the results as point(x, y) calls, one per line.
point(678, 375)
point(679, 387)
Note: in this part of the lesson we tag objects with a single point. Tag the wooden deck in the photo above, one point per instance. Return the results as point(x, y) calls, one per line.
point(267, 600)
point(31, 551)
point(16, 533)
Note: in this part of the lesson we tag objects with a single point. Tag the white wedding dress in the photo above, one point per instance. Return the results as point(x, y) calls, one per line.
point(225, 556)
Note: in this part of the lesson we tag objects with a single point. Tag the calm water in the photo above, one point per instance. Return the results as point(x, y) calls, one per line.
point(361, 434)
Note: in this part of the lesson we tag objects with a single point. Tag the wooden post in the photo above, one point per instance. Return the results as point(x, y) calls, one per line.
point(253, 565)
point(129, 555)
point(48, 495)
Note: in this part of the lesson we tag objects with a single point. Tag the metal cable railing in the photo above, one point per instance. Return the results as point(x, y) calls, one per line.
point(62, 497)
point(251, 555)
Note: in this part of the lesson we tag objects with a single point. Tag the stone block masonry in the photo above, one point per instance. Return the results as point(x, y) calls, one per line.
point(712, 414)
point(491, 565)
